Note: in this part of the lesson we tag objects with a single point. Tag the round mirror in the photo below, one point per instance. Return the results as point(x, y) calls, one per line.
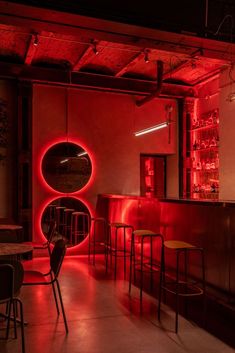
point(66, 167)
point(72, 219)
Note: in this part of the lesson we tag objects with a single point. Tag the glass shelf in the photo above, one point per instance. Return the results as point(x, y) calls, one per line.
point(201, 151)
point(215, 170)
point(206, 127)
point(205, 149)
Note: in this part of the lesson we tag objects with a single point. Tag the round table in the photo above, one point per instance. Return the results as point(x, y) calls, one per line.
point(9, 249)
point(11, 233)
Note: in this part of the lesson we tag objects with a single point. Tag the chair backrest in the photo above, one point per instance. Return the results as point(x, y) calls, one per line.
point(57, 256)
point(51, 231)
point(18, 273)
point(6, 282)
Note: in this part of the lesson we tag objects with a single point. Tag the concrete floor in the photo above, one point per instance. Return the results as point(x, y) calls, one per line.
point(102, 318)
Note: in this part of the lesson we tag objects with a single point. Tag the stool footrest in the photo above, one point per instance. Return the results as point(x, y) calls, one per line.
point(185, 289)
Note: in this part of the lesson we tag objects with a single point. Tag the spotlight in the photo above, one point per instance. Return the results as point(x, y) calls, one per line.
point(94, 48)
point(36, 40)
point(146, 56)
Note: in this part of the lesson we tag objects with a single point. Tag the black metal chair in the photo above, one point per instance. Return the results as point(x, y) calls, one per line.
point(50, 236)
point(11, 276)
point(36, 278)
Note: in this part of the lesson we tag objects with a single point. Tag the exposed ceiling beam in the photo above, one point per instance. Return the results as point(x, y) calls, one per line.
point(88, 80)
point(32, 48)
point(86, 56)
point(208, 77)
point(138, 56)
point(37, 19)
point(176, 69)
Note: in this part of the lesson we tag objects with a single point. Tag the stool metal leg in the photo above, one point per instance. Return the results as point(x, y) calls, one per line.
point(124, 252)
point(131, 260)
point(116, 253)
point(141, 268)
point(177, 292)
point(151, 263)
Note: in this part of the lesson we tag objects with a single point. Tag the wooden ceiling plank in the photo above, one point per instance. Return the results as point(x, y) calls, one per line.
point(131, 63)
point(176, 69)
point(86, 56)
point(31, 50)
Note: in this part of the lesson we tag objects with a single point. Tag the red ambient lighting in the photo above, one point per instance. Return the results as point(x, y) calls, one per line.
point(44, 151)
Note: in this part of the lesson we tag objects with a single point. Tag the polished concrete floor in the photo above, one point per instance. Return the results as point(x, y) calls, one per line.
point(102, 317)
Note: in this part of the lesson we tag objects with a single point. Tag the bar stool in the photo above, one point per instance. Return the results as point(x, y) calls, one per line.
point(50, 213)
point(59, 210)
point(145, 263)
point(117, 231)
point(80, 225)
point(186, 287)
point(67, 217)
point(98, 227)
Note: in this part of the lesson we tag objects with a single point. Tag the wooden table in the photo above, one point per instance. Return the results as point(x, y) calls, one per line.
point(14, 249)
point(11, 233)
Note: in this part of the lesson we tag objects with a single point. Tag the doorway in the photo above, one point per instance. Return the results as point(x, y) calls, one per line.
point(153, 175)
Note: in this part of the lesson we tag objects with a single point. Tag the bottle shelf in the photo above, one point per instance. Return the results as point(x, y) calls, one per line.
point(202, 154)
point(206, 127)
point(205, 193)
point(212, 148)
point(212, 170)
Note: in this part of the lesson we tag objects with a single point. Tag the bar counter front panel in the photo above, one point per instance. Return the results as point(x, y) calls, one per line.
point(210, 225)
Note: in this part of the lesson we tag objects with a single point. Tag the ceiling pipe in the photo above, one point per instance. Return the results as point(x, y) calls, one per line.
point(157, 92)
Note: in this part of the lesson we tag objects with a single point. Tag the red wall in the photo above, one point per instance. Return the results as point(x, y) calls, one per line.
point(104, 124)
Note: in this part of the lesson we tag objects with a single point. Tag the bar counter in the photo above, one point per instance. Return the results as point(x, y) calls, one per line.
point(207, 224)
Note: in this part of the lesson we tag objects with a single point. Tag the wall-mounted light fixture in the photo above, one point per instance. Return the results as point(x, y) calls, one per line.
point(152, 128)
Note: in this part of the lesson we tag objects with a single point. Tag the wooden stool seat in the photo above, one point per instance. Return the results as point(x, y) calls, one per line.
point(177, 244)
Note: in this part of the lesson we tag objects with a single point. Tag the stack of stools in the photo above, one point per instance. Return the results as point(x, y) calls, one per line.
point(181, 284)
point(80, 225)
point(116, 244)
point(145, 261)
point(67, 218)
point(97, 237)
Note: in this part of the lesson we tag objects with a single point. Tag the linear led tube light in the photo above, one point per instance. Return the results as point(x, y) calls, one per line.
point(64, 160)
point(82, 154)
point(151, 129)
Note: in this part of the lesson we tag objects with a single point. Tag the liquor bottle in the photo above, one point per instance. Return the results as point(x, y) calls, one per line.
point(217, 161)
point(199, 165)
point(213, 142)
point(195, 145)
